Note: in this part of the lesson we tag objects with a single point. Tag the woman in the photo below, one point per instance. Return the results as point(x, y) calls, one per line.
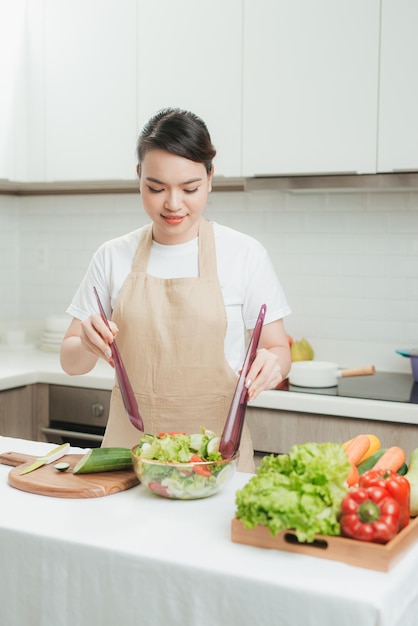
point(179, 292)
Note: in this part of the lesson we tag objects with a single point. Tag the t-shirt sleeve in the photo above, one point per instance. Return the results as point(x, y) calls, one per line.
point(84, 302)
point(263, 287)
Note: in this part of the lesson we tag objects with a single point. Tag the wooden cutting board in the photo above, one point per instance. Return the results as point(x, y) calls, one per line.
point(47, 481)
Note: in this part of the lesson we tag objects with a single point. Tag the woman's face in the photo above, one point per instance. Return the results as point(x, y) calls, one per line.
point(174, 194)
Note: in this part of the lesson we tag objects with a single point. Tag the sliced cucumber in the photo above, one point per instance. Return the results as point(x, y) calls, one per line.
point(213, 444)
point(104, 460)
point(196, 441)
point(62, 467)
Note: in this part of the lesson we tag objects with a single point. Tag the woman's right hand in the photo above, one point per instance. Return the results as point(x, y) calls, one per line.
point(96, 337)
point(85, 342)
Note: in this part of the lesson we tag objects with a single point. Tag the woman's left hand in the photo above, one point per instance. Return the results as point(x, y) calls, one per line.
point(272, 362)
point(265, 373)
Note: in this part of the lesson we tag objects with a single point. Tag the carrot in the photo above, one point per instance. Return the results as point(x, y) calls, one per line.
point(353, 477)
point(357, 448)
point(392, 459)
point(374, 446)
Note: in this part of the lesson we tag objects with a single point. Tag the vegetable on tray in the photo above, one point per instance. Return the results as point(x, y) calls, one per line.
point(356, 449)
point(370, 462)
point(369, 514)
point(397, 486)
point(392, 459)
point(301, 490)
point(412, 477)
point(374, 445)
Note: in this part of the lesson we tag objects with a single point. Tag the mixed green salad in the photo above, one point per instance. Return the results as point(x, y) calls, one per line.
point(183, 466)
point(301, 490)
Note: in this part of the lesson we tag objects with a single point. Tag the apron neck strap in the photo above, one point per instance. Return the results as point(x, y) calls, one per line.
point(207, 250)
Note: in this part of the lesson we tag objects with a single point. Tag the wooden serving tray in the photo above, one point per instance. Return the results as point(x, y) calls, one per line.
point(47, 481)
point(359, 553)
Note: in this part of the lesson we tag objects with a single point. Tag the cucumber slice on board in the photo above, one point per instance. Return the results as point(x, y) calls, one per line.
point(62, 467)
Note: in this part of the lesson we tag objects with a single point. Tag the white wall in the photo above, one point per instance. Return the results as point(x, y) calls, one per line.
point(348, 261)
point(9, 258)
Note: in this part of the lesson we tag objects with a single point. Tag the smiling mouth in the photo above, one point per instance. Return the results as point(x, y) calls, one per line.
point(173, 219)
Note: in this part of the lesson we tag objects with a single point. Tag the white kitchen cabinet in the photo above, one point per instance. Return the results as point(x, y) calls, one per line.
point(310, 87)
point(285, 86)
point(12, 55)
point(190, 56)
point(89, 90)
point(398, 119)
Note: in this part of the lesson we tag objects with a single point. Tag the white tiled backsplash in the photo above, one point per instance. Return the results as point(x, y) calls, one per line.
point(348, 261)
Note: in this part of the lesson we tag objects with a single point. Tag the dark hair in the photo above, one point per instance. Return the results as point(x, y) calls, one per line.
point(180, 132)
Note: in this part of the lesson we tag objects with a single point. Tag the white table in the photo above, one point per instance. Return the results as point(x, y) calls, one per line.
point(136, 559)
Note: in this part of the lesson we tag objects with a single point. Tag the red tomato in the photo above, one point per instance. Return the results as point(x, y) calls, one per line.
point(203, 471)
point(159, 488)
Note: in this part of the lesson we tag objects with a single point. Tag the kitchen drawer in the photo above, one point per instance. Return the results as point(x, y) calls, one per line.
point(79, 405)
point(276, 431)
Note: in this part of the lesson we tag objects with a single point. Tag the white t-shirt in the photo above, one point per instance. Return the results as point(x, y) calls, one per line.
point(246, 276)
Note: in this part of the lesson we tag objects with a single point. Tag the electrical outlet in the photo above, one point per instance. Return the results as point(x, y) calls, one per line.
point(41, 257)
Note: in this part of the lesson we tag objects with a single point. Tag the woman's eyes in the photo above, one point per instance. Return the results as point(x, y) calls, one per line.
point(188, 191)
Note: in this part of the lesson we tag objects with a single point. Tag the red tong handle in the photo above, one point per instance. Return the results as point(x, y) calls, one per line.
point(126, 390)
point(231, 436)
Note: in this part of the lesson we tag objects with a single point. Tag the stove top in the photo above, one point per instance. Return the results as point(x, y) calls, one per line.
point(388, 386)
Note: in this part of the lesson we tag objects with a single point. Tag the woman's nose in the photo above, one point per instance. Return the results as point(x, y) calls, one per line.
point(173, 202)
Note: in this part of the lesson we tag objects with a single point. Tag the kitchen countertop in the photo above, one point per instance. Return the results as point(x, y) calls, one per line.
point(24, 366)
point(133, 557)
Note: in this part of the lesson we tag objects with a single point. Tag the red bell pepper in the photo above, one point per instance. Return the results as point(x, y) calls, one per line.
point(398, 487)
point(369, 514)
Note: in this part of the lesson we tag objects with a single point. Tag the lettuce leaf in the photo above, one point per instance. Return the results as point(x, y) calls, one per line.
point(178, 447)
point(301, 490)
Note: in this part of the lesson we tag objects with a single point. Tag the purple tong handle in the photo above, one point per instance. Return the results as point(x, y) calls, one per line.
point(231, 435)
point(126, 390)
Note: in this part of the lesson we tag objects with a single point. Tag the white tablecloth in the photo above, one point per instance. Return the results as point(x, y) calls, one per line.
point(134, 558)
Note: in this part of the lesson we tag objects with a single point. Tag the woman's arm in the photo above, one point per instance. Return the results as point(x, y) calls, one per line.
point(84, 343)
point(273, 360)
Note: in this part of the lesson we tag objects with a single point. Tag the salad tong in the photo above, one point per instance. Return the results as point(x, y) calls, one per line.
point(231, 435)
point(126, 390)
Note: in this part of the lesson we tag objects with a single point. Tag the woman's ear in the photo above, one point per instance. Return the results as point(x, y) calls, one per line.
point(210, 176)
point(138, 173)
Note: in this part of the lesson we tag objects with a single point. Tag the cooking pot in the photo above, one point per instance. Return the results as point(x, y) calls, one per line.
point(323, 373)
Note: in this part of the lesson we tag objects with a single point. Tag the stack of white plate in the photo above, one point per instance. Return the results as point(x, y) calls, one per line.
point(53, 334)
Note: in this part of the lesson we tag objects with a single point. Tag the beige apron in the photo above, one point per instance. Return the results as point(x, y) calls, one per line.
point(171, 340)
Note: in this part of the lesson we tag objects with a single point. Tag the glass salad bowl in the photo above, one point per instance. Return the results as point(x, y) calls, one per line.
point(194, 477)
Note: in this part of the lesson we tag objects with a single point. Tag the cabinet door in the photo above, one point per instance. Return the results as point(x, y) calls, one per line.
point(398, 119)
point(310, 86)
point(90, 90)
point(189, 56)
point(16, 418)
point(12, 55)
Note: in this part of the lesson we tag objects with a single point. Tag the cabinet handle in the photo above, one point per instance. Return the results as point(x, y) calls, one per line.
point(97, 409)
point(65, 434)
